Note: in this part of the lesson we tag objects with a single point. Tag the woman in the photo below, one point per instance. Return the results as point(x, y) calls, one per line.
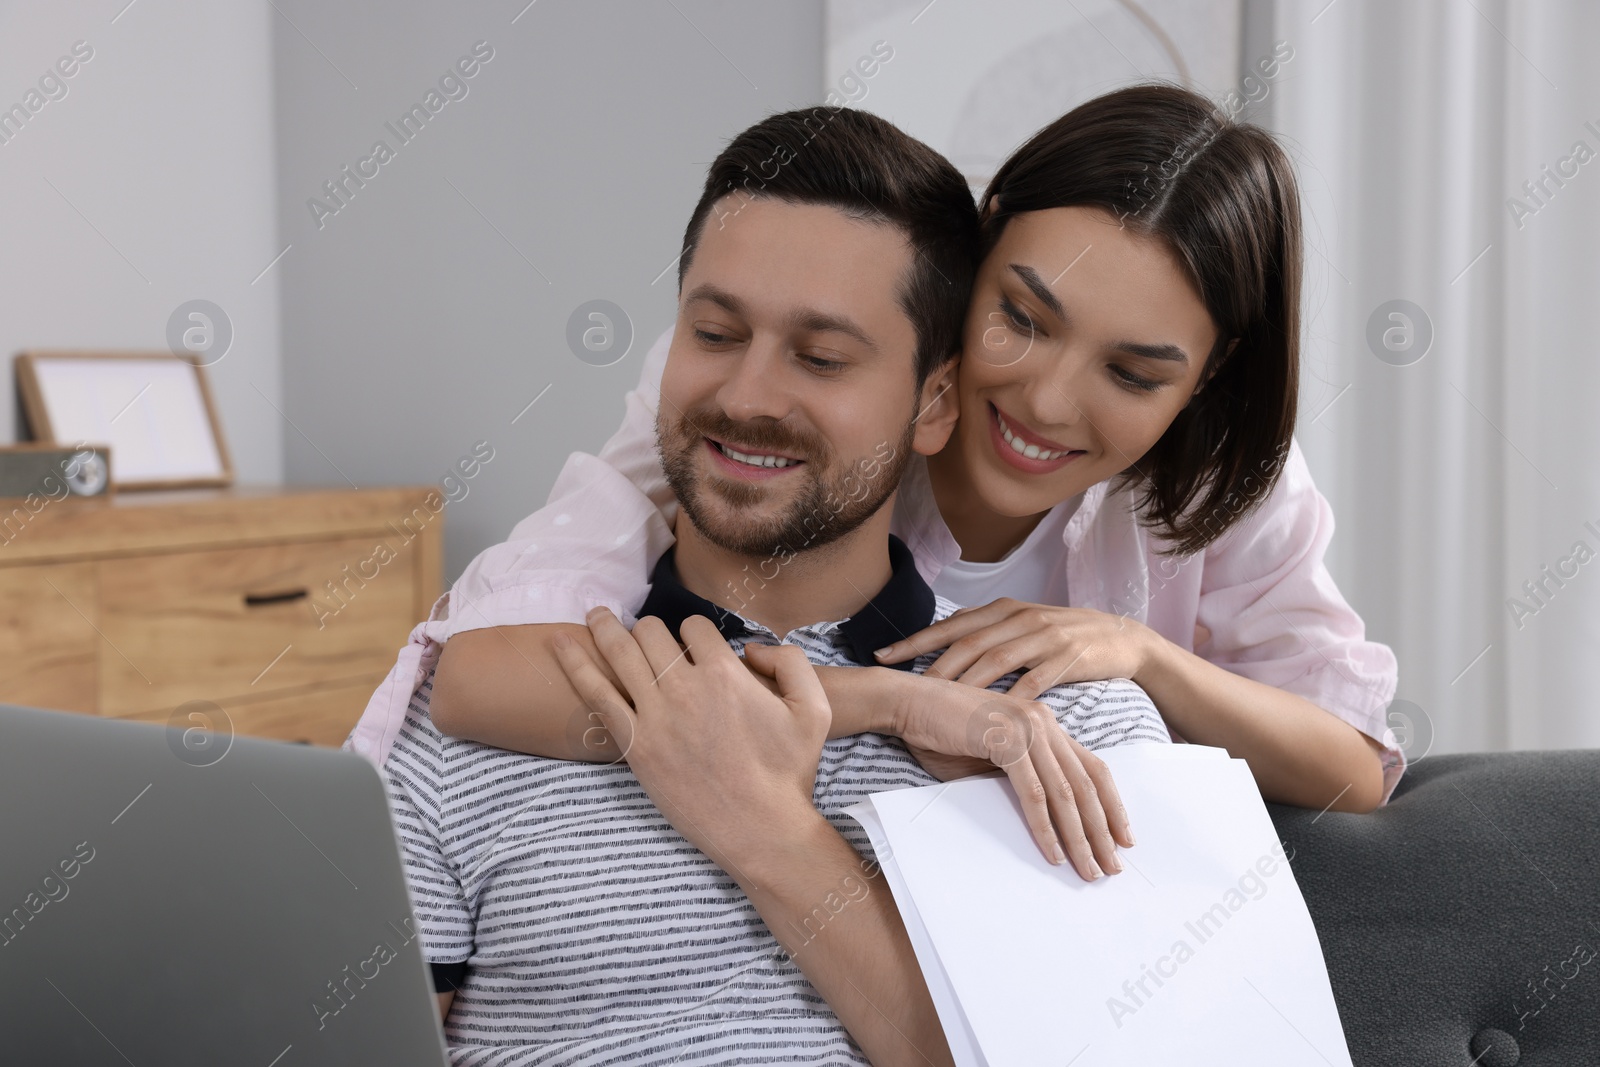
point(1122, 493)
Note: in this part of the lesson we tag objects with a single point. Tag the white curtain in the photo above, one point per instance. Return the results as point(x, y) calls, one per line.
point(1465, 483)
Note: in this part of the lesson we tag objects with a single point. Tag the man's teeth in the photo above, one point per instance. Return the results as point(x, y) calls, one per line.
point(1031, 451)
point(757, 460)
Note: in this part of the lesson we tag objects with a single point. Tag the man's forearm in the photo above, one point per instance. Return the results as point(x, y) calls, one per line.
point(840, 925)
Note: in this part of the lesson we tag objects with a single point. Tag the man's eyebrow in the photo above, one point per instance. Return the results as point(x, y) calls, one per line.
point(720, 297)
point(1036, 285)
point(812, 320)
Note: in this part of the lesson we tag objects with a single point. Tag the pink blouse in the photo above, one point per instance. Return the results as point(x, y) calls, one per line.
point(1259, 599)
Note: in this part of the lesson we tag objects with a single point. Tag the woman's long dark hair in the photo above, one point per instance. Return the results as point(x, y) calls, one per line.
point(1221, 195)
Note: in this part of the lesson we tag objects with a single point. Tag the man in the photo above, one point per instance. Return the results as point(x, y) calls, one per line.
point(694, 901)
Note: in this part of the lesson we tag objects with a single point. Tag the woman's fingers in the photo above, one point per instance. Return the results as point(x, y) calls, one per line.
point(1005, 650)
point(945, 632)
point(1076, 804)
point(1106, 789)
point(1036, 813)
point(981, 645)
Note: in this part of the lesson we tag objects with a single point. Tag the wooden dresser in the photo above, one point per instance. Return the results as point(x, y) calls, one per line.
point(278, 610)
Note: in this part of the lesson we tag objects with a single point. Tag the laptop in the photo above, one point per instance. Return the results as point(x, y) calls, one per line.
point(174, 896)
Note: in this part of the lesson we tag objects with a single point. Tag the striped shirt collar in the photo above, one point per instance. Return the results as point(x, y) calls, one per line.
point(902, 607)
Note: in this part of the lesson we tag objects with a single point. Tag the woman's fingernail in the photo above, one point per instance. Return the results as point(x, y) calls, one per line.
point(1131, 839)
point(563, 641)
point(1115, 864)
point(882, 652)
point(1056, 855)
point(1095, 872)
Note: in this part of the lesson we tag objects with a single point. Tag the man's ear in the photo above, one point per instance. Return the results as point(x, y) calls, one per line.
point(940, 405)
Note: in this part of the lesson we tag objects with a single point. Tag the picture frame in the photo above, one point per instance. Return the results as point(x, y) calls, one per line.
point(154, 409)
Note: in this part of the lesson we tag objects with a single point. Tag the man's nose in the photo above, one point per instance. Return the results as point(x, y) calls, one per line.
point(757, 384)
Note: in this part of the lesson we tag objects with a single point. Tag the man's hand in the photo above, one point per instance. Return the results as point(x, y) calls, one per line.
point(729, 752)
point(726, 759)
point(1067, 794)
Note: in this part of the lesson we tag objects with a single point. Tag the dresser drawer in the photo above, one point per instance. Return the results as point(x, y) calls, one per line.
point(48, 647)
point(320, 717)
point(241, 623)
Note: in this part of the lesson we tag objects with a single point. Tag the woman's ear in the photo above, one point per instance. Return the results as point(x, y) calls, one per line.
point(990, 208)
point(939, 404)
point(1211, 371)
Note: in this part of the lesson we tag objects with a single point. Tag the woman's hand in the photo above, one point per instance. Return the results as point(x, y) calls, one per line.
point(1067, 795)
point(949, 768)
point(1054, 645)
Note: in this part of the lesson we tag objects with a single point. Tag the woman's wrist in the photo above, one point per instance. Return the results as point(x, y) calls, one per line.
point(1162, 673)
point(1153, 656)
point(863, 699)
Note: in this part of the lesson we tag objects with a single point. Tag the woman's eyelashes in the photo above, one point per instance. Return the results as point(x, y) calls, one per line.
point(1023, 324)
point(1133, 381)
point(1019, 319)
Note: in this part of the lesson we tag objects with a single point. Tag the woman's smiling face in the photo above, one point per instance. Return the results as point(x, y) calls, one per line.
point(1083, 341)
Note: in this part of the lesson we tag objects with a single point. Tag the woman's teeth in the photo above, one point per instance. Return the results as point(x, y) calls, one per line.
point(1031, 451)
point(755, 460)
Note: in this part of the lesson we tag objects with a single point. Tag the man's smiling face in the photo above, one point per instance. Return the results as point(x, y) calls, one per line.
point(790, 342)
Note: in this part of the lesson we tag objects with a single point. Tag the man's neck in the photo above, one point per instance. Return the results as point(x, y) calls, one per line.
point(814, 585)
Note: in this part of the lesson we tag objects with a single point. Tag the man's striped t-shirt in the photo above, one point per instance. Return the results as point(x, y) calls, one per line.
point(590, 931)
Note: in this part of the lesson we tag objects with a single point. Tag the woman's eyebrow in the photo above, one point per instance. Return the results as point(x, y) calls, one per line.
point(1031, 279)
point(1171, 352)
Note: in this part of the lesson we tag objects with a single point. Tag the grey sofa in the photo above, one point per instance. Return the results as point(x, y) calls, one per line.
point(1461, 922)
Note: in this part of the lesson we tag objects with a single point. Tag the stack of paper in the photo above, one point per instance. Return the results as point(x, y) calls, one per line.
point(1200, 952)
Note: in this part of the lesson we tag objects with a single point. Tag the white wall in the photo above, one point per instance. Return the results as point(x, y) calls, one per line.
point(976, 80)
point(148, 184)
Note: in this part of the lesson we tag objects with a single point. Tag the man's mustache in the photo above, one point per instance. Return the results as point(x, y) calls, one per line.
point(754, 438)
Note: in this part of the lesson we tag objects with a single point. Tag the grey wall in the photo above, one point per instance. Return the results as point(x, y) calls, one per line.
point(146, 183)
point(425, 314)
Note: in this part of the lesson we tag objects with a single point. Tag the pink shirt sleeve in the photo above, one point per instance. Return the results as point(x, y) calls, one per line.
point(1276, 616)
point(632, 449)
point(594, 542)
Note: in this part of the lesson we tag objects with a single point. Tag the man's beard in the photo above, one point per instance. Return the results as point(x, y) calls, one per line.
point(830, 504)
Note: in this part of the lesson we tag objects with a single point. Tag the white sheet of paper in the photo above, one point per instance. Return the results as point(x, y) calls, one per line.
point(957, 1031)
point(1200, 952)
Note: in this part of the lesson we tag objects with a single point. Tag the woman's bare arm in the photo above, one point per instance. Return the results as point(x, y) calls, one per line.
point(503, 686)
point(1298, 752)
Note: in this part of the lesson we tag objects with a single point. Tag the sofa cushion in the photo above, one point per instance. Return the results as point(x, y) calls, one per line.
point(1461, 922)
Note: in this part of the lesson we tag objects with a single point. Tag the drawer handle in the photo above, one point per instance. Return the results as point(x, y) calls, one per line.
point(253, 599)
